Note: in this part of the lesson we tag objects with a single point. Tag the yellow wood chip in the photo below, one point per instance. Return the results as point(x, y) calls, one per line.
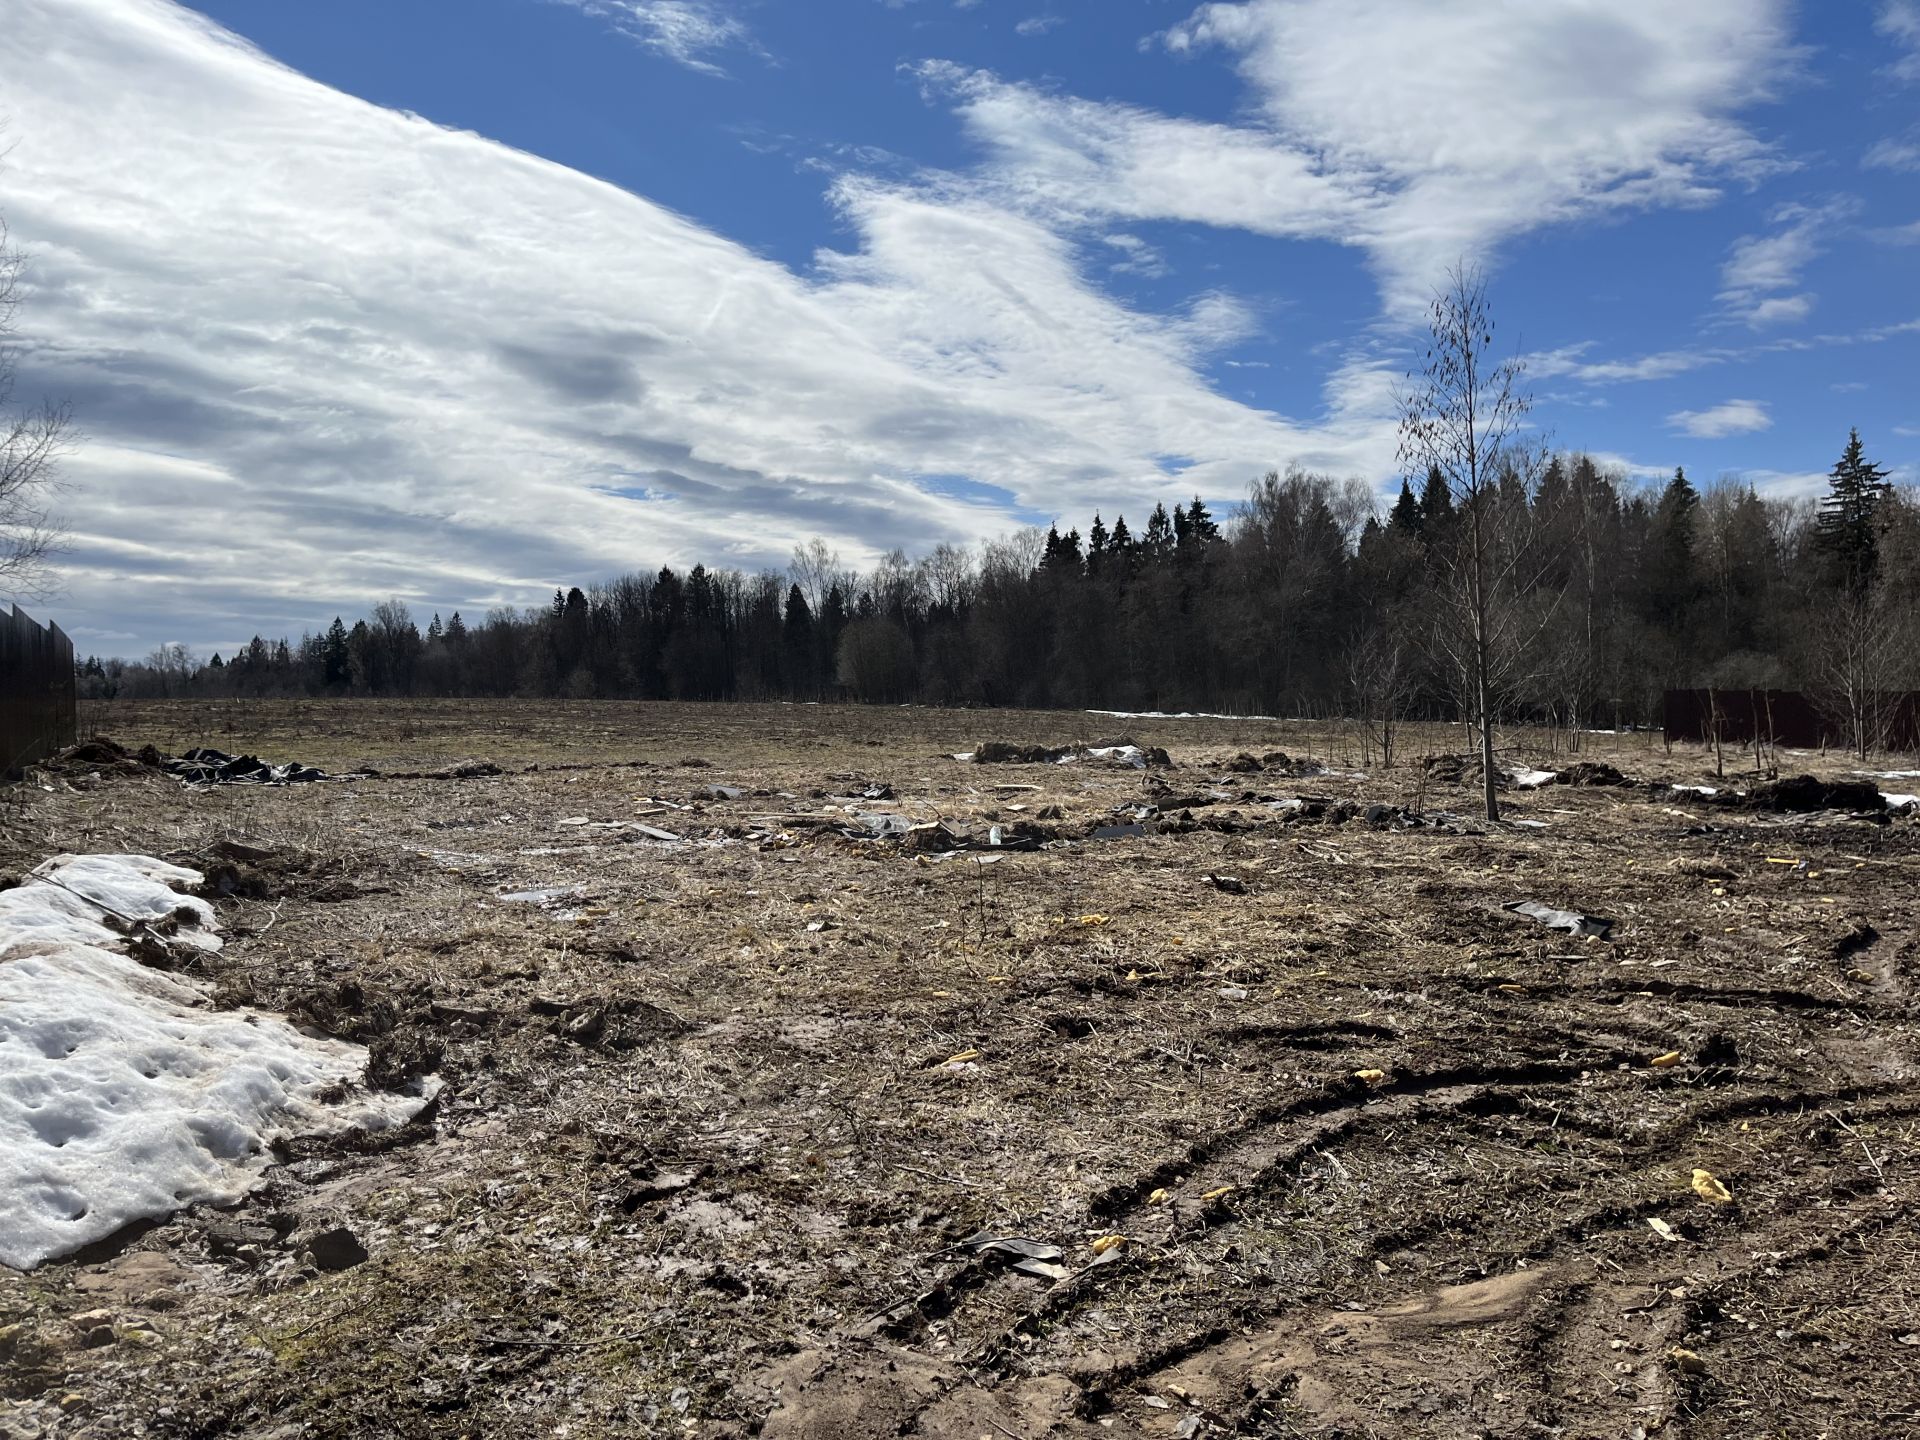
point(1710, 1189)
point(1108, 1242)
point(1158, 1197)
point(1662, 1062)
point(963, 1057)
point(1222, 1191)
point(1371, 1077)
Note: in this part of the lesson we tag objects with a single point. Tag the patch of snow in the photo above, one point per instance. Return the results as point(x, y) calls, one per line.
point(1890, 774)
point(123, 1096)
point(1697, 789)
point(964, 757)
point(1903, 802)
point(545, 897)
point(1533, 779)
point(1181, 715)
point(1115, 755)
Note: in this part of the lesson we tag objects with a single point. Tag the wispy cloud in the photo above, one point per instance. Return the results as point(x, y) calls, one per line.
point(1899, 21)
point(1733, 417)
point(1039, 24)
point(516, 358)
point(1760, 282)
point(685, 31)
point(1894, 153)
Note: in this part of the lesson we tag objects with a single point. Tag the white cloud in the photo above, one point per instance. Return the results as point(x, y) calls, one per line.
point(1577, 107)
point(1039, 24)
point(1894, 153)
point(1759, 267)
point(1734, 417)
point(1360, 136)
point(327, 352)
point(1900, 22)
point(685, 31)
point(1663, 365)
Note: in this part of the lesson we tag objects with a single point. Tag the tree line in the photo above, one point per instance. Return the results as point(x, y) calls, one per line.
point(1305, 601)
point(1505, 581)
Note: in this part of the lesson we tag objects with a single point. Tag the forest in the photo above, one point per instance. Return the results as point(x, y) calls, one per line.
point(1304, 600)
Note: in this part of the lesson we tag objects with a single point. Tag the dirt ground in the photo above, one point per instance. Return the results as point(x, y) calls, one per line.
point(1310, 1136)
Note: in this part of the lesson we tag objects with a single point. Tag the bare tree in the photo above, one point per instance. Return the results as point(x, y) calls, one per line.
point(32, 440)
point(816, 569)
point(1465, 415)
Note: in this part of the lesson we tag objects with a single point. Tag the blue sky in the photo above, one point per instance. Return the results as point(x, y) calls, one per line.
point(459, 303)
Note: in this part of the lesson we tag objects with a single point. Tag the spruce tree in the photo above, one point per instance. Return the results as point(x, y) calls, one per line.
point(1436, 505)
point(1847, 528)
point(1406, 518)
point(336, 662)
point(1200, 524)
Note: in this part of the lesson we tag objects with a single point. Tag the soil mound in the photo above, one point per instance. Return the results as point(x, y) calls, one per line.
point(1804, 793)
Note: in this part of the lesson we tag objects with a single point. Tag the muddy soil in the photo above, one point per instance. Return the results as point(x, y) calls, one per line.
point(1341, 1148)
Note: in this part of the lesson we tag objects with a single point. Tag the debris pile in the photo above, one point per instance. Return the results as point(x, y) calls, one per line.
point(1803, 794)
point(1120, 753)
point(1590, 772)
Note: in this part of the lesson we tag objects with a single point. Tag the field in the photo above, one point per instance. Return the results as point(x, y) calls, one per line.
point(723, 1111)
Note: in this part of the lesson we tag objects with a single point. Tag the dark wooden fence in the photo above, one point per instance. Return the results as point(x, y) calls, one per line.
point(38, 706)
point(1785, 717)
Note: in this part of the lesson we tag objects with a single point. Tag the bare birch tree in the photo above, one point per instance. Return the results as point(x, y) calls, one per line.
point(1464, 414)
point(31, 441)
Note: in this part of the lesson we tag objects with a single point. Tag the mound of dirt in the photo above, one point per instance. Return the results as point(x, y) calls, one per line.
point(1591, 772)
point(1804, 793)
point(999, 752)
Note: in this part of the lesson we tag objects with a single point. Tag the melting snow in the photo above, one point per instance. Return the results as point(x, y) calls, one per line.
point(1182, 715)
point(123, 1096)
point(1533, 779)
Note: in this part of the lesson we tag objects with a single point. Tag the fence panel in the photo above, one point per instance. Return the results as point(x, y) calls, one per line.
point(1787, 717)
point(39, 703)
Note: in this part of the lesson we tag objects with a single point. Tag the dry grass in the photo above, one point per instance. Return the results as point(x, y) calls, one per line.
point(705, 1140)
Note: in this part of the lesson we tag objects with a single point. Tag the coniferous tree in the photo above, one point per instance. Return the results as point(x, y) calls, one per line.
point(1406, 518)
point(336, 660)
point(1436, 507)
point(1846, 528)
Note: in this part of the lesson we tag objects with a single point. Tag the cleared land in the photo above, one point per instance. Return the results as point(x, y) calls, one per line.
point(720, 1111)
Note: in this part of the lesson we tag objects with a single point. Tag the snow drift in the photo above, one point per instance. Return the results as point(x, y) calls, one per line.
point(123, 1096)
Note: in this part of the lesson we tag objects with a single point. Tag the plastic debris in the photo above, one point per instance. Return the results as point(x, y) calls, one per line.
point(1029, 1257)
point(1570, 921)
